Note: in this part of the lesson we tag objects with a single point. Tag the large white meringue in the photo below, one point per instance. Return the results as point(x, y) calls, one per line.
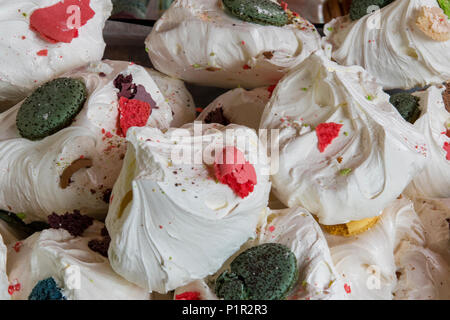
point(240, 106)
point(368, 165)
point(4, 283)
point(30, 170)
point(296, 229)
point(390, 46)
point(434, 180)
point(22, 69)
point(170, 221)
point(177, 96)
point(197, 41)
point(81, 274)
point(394, 248)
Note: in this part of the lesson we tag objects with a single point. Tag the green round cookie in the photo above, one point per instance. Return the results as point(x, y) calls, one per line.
point(50, 108)
point(359, 8)
point(445, 5)
point(407, 105)
point(265, 272)
point(263, 12)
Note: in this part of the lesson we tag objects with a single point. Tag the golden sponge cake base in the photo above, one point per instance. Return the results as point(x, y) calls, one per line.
point(351, 228)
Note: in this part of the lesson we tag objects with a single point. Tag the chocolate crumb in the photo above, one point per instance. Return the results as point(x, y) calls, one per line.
point(101, 246)
point(107, 195)
point(217, 116)
point(75, 223)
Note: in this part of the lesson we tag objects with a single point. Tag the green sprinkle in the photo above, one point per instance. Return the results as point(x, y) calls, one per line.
point(183, 190)
point(305, 89)
point(304, 283)
point(21, 215)
point(196, 65)
point(345, 172)
point(330, 29)
point(345, 133)
point(24, 14)
point(370, 98)
point(146, 49)
point(212, 54)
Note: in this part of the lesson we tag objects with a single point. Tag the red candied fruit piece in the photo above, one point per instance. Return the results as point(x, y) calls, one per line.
point(132, 113)
point(189, 295)
point(326, 133)
point(347, 288)
point(42, 53)
point(270, 89)
point(232, 169)
point(11, 290)
point(447, 149)
point(53, 23)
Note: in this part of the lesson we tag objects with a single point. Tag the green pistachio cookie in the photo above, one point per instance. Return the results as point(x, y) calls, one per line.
point(51, 108)
point(265, 272)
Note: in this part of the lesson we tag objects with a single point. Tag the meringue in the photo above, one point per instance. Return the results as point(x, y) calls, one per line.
point(392, 260)
point(239, 106)
point(177, 96)
point(170, 221)
point(372, 156)
point(30, 171)
point(79, 272)
point(197, 41)
point(390, 46)
point(434, 122)
point(296, 229)
point(28, 61)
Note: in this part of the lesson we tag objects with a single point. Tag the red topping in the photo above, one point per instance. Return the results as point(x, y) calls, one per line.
point(132, 113)
point(284, 5)
point(448, 133)
point(11, 290)
point(270, 89)
point(42, 53)
point(246, 67)
point(60, 22)
point(272, 229)
point(447, 149)
point(347, 288)
point(17, 287)
point(17, 246)
point(232, 169)
point(189, 295)
point(326, 133)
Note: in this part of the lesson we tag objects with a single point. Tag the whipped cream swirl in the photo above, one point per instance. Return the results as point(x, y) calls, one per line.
point(375, 153)
point(30, 171)
point(22, 69)
point(170, 220)
point(199, 42)
point(79, 272)
point(390, 46)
